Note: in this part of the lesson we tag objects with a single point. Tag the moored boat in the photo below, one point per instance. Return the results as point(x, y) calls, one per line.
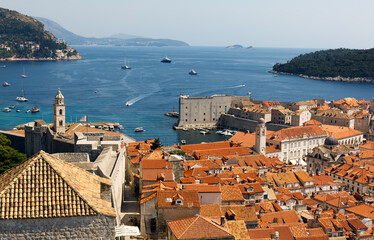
point(6, 110)
point(12, 106)
point(166, 60)
point(139, 129)
point(28, 110)
point(35, 109)
point(192, 72)
point(6, 84)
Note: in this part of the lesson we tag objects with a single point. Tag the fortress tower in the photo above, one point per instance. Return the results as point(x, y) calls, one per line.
point(260, 145)
point(59, 113)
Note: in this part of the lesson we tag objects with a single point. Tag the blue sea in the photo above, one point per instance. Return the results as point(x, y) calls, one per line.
point(153, 87)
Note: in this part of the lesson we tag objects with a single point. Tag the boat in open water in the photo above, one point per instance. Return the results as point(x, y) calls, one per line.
point(6, 110)
point(22, 98)
point(192, 72)
point(6, 84)
point(166, 60)
point(35, 109)
point(126, 65)
point(139, 129)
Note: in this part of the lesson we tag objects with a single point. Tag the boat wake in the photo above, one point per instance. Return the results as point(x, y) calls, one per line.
point(238, 86)
point(137, 99)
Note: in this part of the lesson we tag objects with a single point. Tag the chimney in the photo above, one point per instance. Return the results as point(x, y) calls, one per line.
point(275, 236)
point(223, 221)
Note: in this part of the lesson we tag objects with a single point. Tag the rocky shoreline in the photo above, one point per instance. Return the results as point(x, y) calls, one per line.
point(71, 58)
point(337, 79)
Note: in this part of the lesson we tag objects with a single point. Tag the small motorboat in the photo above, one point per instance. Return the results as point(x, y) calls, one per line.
point(6, 110)
point(28, 111)
point(18, 110)
point(35, 109)
point(128, 104)
point(21, 99)
point(192, 72)
point(166, 60)
point(139, 129)
point(184, 129)
point(203, 132)
point(120, 127)
point(12, 106)
point(126, 65)
point(6, 84)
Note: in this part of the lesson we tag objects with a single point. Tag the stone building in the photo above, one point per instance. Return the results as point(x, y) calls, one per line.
point(281, 115)
point(300, 117)
point(335, 117)
point(47, 197)
point(204, 112)
point(326, 155)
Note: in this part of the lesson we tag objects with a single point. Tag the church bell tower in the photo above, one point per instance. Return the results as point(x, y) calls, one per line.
point(260, 145)
point(59, 113)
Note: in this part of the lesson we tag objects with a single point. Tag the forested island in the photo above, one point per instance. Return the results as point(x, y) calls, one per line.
point(333, 65)
point(24, 38)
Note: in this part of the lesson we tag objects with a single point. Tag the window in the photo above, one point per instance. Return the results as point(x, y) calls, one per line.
point(178, 202)
point(195, 119)
point(60, 111)
point(60, 122)
point(186, 120)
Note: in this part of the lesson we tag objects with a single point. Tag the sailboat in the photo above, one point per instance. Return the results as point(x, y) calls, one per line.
point(126, 65)
point(24, 73)
point(22, 97)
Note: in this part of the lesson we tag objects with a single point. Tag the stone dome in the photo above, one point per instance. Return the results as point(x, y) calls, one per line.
point(261, 120)
point(331, 141)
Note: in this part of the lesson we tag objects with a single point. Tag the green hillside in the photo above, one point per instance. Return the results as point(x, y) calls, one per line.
point(331, 63)
point(24, 37)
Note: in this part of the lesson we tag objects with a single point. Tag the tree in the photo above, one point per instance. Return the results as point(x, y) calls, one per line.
point(9, 157)
point(156, 144)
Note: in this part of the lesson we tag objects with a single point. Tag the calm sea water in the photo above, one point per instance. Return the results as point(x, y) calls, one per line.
point(154, 87)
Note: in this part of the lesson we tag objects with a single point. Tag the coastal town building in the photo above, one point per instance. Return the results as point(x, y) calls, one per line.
point(204, 112)
point(335, 117)
point(46, 196)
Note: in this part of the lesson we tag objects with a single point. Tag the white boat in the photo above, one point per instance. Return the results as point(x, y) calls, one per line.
point(24, 73)
point(120, 127)
point(203, 132)
point(12, 106)
point(126, 65)
point(139, 129)
point(22, 97)
point(28, 110)
point(227, 133)
point(6, 110)
point(18, 110)
point(6, 84)
point(219, 132)
point(184, 129)
point(166, 60)
point(192, 72)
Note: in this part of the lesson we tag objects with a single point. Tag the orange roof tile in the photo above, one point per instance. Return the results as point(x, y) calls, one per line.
point(190, 199)
point(155, 175)
point(204, 146)
point(21, 132)
point(197, 228)
point(203, 188)
point(231, 193)
point(362, 210)
point(282, 217)
point(78, 127)
point(238, 229)
point(340, 132)
point(297, 132)
point(155, 164)
point(221, 152)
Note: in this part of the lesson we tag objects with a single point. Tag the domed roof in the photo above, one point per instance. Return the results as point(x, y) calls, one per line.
point(331, 141)
point(59, 94)
point(261, 120)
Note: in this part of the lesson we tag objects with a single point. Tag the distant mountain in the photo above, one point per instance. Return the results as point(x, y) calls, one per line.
point(116, 40)
point(124, 36)
point(24, 38)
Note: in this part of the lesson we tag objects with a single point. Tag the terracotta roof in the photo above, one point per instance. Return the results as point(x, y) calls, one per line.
point(281, 217)
point(21, 132)
point(268, 207)
point(54, 188)
point(362, 210)
point(297, 132)
point(157, 174)
point(203, 188)
point(204, 146)
point(212, 211)
point(242, 212)
point(340, 132)
point(368, 145)
point(323, 179)
point(303, 177)
point(247, 139)
point(78, 127)
point(312, 122)
point(155, 164)
point(231, 193)
point(190, 199)
point(238, 229)
point(197, 228)
point(221, 152)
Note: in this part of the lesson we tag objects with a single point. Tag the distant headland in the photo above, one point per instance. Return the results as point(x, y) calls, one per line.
point(23, 38)
point(238, 46)
point(331, 65)
point(115, 40)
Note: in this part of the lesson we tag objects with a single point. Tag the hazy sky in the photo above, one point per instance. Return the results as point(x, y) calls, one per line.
point(261, 23)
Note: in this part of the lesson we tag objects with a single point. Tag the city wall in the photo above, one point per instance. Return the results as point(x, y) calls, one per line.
point(83, 227)
point(235, 123)
point(18, 140)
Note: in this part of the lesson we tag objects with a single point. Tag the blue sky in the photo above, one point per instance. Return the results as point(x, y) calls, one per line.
point(261, 23)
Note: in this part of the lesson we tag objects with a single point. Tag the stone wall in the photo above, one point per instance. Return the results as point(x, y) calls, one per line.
point(241, 124)
point(73, 157)
point(18, 141)
point(87, 227)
